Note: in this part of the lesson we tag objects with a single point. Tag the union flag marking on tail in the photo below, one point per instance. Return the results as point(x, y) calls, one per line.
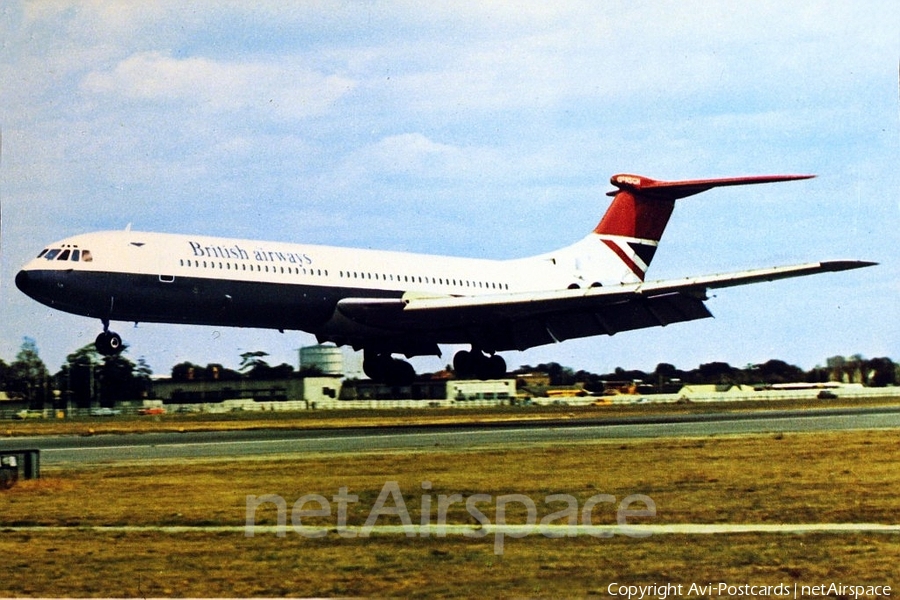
point(636, 254)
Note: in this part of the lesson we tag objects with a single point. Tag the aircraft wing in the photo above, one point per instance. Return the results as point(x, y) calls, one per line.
point(756, 275)
point(523, 320)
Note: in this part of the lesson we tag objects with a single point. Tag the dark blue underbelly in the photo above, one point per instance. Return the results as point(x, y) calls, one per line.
point(189, 300)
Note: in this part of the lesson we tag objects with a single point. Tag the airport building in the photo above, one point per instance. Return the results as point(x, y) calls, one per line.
point(321, 385)
point(327, 392)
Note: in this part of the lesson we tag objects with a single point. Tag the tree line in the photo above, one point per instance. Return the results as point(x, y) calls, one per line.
point(88, 377)
point(85, 377)
point(873, 372)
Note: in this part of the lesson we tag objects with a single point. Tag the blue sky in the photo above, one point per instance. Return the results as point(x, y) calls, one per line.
point(465, 128)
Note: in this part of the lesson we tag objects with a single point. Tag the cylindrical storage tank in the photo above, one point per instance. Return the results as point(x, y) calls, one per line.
point(329, 360)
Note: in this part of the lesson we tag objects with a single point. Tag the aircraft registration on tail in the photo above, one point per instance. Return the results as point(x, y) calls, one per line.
point(395, 303)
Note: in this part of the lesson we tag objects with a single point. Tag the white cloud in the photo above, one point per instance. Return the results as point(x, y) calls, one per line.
point(408, 154)
point(283, 89)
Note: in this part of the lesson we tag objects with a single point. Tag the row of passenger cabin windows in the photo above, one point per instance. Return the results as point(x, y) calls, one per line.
point(491, 285)
point(72, 254)
point(227, 266)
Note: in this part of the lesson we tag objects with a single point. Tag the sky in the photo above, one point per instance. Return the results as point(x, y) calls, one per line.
point(481, 129)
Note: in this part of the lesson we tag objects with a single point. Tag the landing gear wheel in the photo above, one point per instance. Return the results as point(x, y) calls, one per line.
point(495, 367)
point(464, 364)
point(109, 343)
point(475, 365)
point(391, 371)
point(401, 373)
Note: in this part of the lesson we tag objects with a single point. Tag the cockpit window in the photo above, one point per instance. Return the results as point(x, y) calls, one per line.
point(72, 254)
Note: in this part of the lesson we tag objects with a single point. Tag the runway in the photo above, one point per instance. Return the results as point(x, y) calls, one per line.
point(163, 446)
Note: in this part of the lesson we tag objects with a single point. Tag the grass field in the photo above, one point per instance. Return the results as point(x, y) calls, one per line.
point(842, 477)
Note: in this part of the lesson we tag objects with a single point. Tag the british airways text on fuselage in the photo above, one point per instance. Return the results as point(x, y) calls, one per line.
point(236, 252)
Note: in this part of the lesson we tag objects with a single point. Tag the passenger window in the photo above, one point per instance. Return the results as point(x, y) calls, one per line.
point(64, 255)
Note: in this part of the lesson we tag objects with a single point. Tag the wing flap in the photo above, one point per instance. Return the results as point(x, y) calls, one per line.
point(638, 313)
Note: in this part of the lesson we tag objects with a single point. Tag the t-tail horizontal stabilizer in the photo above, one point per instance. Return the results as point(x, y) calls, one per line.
point(673, 190)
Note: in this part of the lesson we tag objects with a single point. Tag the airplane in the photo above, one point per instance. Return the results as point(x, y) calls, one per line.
point(385, 302)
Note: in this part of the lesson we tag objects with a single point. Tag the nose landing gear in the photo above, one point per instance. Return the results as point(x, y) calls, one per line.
point(109, 342)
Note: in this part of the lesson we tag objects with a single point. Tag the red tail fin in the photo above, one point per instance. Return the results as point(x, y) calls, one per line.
point(641, 207)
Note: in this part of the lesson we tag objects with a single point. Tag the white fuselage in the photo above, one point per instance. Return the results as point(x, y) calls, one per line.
point(174, 256)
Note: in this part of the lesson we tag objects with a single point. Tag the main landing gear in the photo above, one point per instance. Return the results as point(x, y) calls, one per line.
point(477, 365)
point(381, 367)
point(109, 342)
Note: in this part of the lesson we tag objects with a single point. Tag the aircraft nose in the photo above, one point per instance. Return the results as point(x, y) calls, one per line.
point(32, 284)
point(22, 279)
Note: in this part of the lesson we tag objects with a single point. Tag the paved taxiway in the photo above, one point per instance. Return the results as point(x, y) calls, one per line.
point(156, 446)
